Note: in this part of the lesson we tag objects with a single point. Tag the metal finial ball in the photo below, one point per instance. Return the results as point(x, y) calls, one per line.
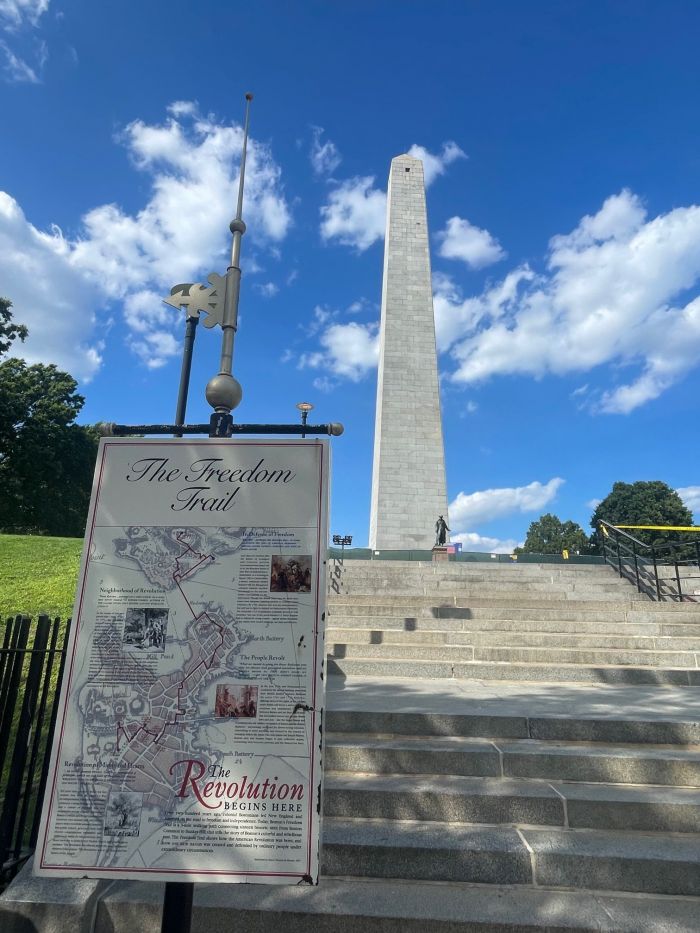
point(249, 96)
point(237, 226)
point(223, 391)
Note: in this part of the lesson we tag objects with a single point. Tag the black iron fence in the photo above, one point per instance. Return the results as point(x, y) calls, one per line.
point(665, 570)
point(31, 666)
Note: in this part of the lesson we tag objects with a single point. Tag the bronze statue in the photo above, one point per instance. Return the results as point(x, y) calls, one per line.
point(441, 530)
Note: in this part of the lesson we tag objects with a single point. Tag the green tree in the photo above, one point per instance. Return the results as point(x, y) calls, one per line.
point(549, 535)
point(46, 460)
point(9, 331)
point(643, 503)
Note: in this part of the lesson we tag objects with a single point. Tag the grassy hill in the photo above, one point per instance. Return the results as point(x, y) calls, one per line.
point(38, 574)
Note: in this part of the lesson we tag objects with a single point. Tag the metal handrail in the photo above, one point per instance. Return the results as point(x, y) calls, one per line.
point(624, 534)
point(627, 549)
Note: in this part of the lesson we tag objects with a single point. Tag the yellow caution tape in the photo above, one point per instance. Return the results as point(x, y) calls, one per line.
point(660, 527)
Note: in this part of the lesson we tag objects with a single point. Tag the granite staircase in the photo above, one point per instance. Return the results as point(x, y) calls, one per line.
point(522, 622)
point(509, 749)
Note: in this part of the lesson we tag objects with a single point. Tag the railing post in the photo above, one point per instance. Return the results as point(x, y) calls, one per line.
point(656, 574)
point(10, 688)
point(678, 576)
point(619, 557)
point(61, 653)
point(31, 779)
point(636, 567)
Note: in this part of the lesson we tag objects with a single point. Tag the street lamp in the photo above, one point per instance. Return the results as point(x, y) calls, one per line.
point(342, 540)
point(304, 408)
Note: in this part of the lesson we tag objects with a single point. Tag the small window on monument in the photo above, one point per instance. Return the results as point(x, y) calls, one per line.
point(408, 170)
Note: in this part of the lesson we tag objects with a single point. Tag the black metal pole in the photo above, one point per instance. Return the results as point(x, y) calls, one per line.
point(177, 907)
point(178, 897)
point(190, 333)
point(109, 429)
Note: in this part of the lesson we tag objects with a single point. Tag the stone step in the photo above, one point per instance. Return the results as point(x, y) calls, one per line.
point(561, 612)
point(520, 758)
point(377, 905)
point(514, 671)
point(479, 566)
point(627, 730)
point(399, 604)
point(458, 799)
point(588, 626)
point(508, 654)
point(442, 798)
point(513, 639)
point(490, 574)
point(547, 594)
point(402, 580)
point(571, 858)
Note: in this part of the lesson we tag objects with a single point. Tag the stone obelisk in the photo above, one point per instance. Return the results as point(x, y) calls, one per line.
point(408, 475)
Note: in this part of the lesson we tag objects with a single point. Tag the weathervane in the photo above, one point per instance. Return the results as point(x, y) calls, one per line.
point(219, 301)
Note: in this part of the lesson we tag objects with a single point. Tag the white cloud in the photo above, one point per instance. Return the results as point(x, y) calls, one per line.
point(183, 108)
point(471, 407)
point(691, 497)
point(324, 384)
point(614, 293)
point(320, 318)
point(462, 240)
point(23, 65)
point(325, 157)
point(593, 503)
point(471, 541)
point(16, 13)
point(435, 165)
point(16, 69)
point(191, 165)
point(457, 317)
point(267, 289)
point(55, 300)
point(355, 214)
point(348, 350)
point(469, 509)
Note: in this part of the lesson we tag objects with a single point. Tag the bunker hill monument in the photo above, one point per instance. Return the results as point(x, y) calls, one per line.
point(408, 474)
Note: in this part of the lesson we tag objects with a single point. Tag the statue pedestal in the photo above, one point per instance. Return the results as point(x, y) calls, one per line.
point(440, 552)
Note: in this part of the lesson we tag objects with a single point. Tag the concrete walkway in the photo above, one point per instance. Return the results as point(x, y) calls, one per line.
point(473, 697)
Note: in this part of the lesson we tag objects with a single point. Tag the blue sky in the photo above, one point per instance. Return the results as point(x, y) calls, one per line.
point(562, 148)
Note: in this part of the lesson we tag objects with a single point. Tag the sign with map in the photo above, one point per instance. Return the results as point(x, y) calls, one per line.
point(188, 737)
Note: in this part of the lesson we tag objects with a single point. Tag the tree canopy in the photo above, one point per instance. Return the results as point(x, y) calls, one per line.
point(46, 460)
point(549, 535)
point(9, 331)
point(643, 503)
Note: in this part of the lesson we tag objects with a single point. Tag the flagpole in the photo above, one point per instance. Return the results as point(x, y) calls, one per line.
point(223, 391)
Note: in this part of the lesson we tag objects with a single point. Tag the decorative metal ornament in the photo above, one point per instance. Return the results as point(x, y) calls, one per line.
point(196, 298)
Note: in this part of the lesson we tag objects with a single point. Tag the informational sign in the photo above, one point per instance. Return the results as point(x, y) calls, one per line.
point(188, 737)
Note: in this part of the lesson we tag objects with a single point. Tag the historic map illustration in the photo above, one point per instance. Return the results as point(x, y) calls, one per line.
point(187, 742)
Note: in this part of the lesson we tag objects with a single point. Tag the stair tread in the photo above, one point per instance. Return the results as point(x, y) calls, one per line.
point(466, 744)
point(372, 903)
point(511, 787)
point(358, 831)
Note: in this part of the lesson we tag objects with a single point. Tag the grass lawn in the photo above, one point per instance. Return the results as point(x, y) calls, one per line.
point(38, 575)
